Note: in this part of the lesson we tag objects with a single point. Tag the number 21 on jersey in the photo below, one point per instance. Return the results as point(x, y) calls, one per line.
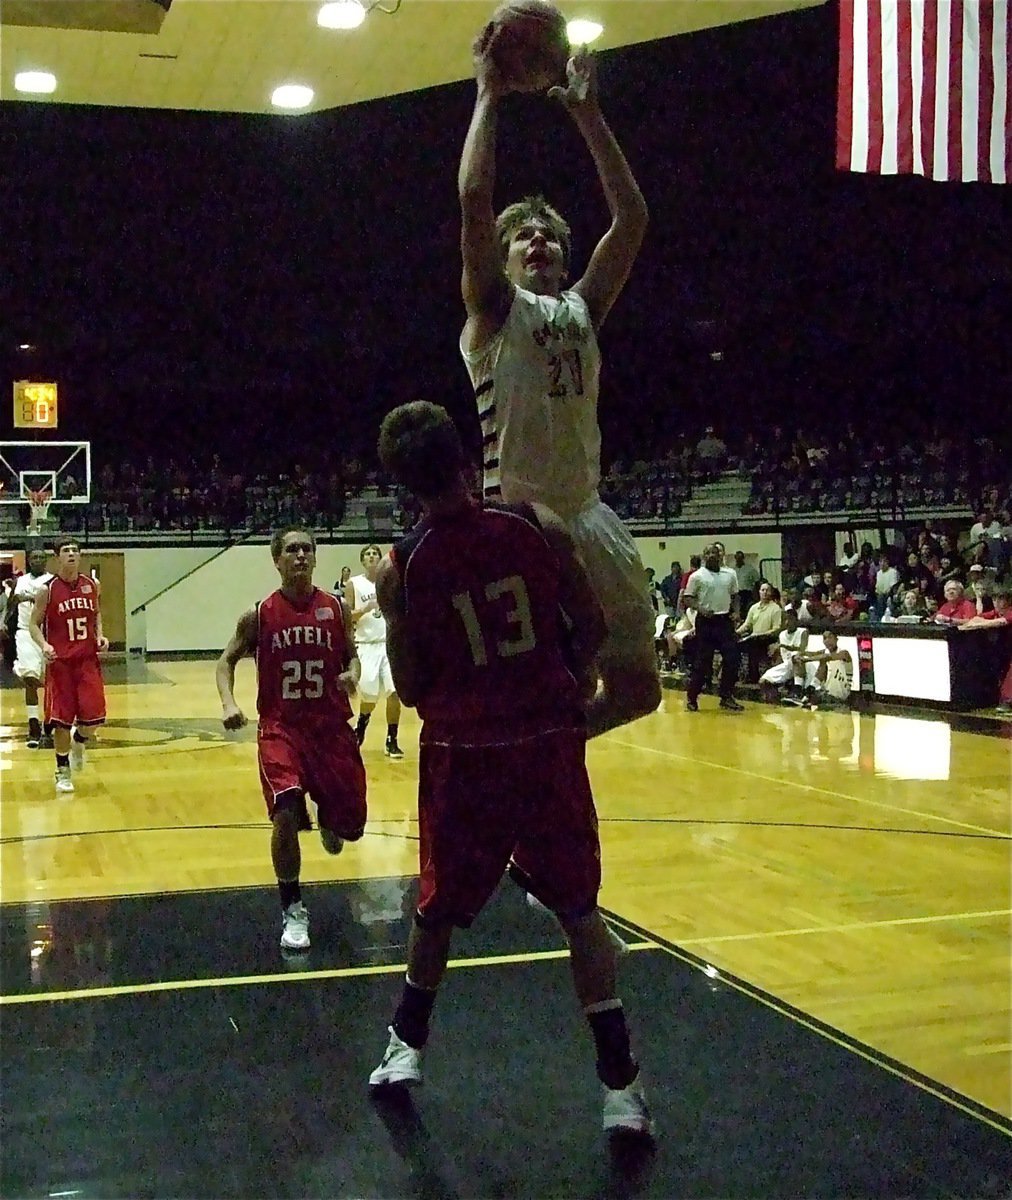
point(511, 591)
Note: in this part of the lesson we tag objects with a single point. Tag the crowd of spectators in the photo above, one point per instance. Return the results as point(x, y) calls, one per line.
point(806, 473)
point(788, 473)
point(928, 576)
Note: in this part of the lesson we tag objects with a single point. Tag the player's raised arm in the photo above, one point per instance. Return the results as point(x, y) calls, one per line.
point(576, 593)
point(486, 291)
point(242, 643)
point(402, 650)
point(613, 258)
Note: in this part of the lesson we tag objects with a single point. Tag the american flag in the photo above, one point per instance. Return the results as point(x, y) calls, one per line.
point(924, 89)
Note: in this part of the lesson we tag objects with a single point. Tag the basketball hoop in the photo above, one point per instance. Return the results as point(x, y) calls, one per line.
point(38, 502)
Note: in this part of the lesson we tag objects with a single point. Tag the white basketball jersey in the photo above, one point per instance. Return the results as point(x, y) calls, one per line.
point(839, 677)
point(30, 586)
point(371, 627)
point(790, 641)
point(536, 385)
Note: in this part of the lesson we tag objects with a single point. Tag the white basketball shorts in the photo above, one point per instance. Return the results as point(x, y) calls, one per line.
point(376, 676)
point(619, 581)
point(28, 664)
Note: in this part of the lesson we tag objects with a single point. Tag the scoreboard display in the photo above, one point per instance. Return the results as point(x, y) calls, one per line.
point(35, 405)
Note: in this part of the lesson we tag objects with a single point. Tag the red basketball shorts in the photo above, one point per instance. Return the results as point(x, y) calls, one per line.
point(326, 763)
point(480, 806)
point(75, 693)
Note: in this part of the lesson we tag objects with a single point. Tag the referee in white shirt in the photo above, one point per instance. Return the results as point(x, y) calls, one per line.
point(713, 592)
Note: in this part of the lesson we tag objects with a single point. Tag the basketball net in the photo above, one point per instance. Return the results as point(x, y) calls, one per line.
point(38, 502)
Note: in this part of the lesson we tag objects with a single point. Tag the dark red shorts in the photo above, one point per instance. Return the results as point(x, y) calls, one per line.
point(75, 693)
point(480, 806)
point(326, 763)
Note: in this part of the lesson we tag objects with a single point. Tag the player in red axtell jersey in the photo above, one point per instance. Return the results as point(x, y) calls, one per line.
point(492, 629)
point(307, 668)
point(66, 624)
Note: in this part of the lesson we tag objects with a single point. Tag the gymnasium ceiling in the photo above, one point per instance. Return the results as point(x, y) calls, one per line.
point(229, 55)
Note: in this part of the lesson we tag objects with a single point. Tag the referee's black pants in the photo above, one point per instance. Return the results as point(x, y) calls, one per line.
point(714, 633)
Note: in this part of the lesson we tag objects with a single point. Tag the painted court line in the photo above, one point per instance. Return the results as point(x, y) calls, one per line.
point(808, 787)
point(855, 925)
point(183, 985)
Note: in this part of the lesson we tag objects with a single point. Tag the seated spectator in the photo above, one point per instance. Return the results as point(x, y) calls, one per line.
point(748, 581)
point(914, 569)
point(671, 586)
point(812, 610)
point(814, 576)
point(849, 558)
point(887, 578)
point(842, 606)
point(913, 609)
point(956, 609)
point(930, 560)
point(985, 529)
point(829, 673)
point(759, 629)
point(979, 588)
point(680, 636)
point(711, 452)
point(1001, 611)
point(792, 639)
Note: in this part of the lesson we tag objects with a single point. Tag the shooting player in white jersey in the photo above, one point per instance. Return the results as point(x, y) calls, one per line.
point(530, 345)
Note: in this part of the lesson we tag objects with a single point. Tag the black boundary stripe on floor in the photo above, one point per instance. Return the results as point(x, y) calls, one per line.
point(958, 1100)
point(878, 1058)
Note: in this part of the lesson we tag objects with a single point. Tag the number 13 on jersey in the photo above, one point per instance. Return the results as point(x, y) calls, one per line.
point(511, 592)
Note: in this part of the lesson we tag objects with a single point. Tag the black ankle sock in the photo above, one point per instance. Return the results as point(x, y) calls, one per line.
point(363, 721)
point(78, 738)
point(290, 892)
point(391, 733)
point(63, 760)
point(411, 1020)
point(616, 1067)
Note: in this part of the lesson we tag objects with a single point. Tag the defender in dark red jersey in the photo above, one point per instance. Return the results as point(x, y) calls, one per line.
point(307, 668)
point(66, 623)
point(492, 630)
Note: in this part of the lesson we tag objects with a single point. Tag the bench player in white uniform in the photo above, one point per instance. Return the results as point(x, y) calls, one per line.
point(531, 350)
point(371, 641)
point(792, 641)
point(28, 663)
point(829, 672)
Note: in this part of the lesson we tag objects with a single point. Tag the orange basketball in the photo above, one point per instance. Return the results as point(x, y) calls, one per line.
point(532, 46)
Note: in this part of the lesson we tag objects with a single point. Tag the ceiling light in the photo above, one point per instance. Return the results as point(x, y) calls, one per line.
point(35, 81)
point(292, 95)
point(341, 14)
point(582, 33)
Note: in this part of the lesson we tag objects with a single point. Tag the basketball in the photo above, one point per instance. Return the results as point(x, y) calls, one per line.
point(532, 46)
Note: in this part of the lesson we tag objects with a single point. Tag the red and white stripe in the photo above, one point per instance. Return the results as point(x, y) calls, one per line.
point(924, 89)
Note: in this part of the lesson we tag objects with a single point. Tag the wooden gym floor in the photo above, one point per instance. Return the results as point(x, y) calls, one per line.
point(817, 906)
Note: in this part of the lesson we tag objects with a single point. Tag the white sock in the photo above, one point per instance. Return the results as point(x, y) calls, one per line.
point(33, 711)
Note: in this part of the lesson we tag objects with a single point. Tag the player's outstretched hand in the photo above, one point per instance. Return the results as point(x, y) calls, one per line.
point(486, 71)
point(580, 91)
point(232, 716)
point(346, 682)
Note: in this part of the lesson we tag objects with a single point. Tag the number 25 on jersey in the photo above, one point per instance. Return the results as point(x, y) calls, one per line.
point(511, 591)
